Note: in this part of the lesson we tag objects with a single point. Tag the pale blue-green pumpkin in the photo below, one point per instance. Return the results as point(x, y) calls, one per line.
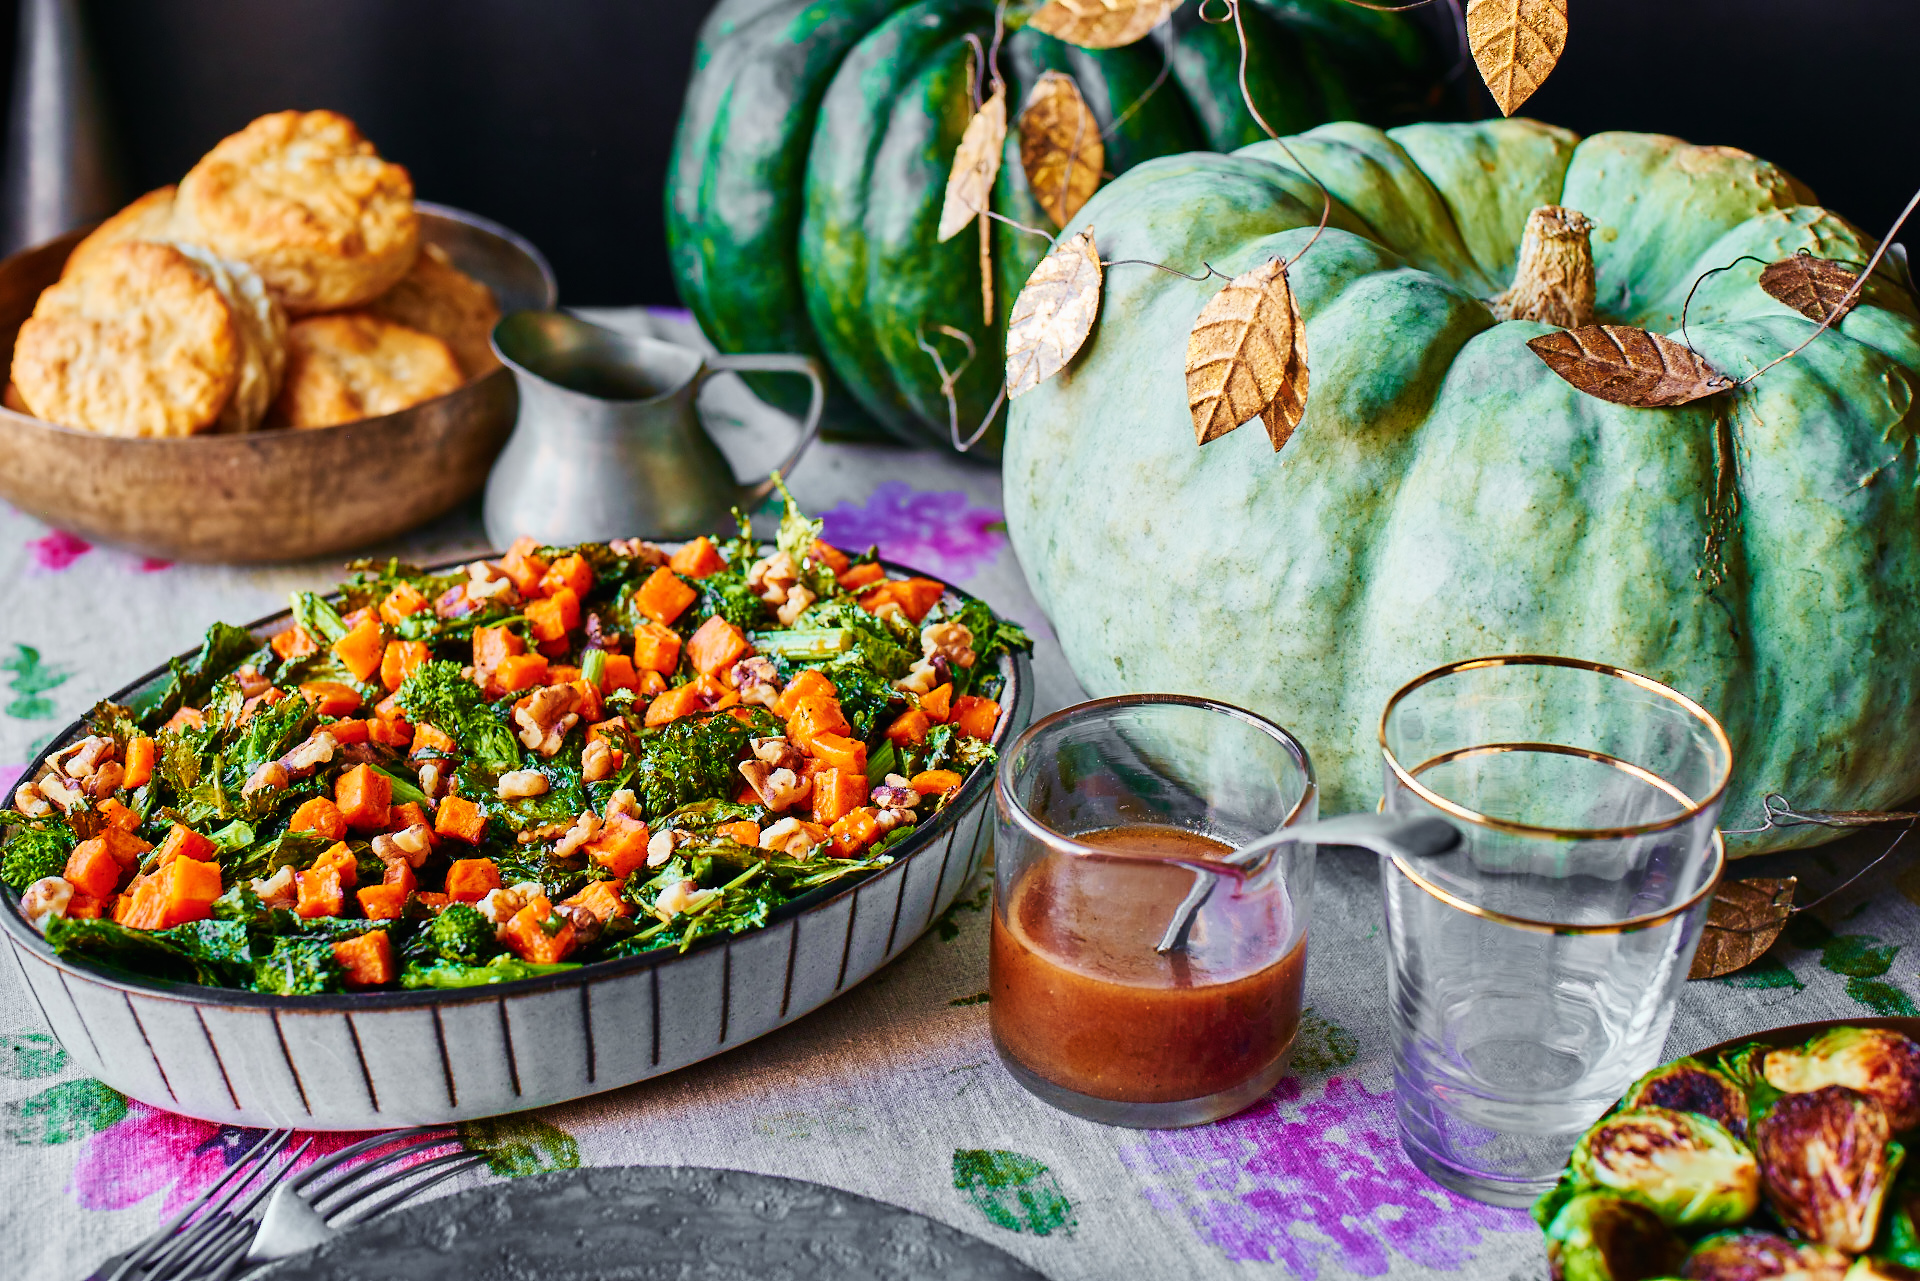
point(1447, 495)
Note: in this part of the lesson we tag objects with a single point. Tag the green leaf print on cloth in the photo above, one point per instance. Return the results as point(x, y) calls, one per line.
point(62, 1113)
point(31, 679)
point(517, 1146)
point(1014, 1191)
point(27, 1056)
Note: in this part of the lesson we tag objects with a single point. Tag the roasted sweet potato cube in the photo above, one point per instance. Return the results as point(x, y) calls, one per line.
point(430, 738)
point(521, 672)
point(656, 648)
point(339, 857)
point(663, 597)
point(817, 714)
point(675, 703)
point(400, 659)
point(319, 892)
point(331, 698)
point(399, 873)
point(620, 846)
point(403, 601)
point(126, 848)
point(935, 782)
point(912, 726)
point(841, 752)
point(618, 674)
point(347, 733)
point(459, 819)
point(361, 649)
point(809, 683)
point(293, 643)
point(185, 718)
point(938, 703)
point(552, 617)
point(182, 891)
point(524, 566)
point(859, 576)
point(602, 898)
point(746, 832)
point(140, 756)
point(182, 841)
point(117, 815)
point(382, 902)
point(91, 870)
point(493, 646)
point(854, 831)
point(837, 793)
point(571, 572)
point(366, 958)
point(471, 879)
point(829, 555)
point(716, 646)
point(320, 816)
point(697, 559)
point(527, 937)
point(412, 814)
point(365, 798)
point(975, 717)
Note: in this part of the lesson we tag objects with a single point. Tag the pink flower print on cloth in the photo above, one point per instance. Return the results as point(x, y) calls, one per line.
point(154, 1151)
point(942, 533)
point(57, 551)
point(1298, 1183)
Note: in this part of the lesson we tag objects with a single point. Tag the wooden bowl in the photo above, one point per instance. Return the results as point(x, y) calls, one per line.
point(274, 494)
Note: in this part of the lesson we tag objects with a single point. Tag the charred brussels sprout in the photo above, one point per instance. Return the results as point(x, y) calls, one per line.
point(1878, 1062)
point(1827, 1160)
point(1690, 1169)
point(1600, 1237)
point(1688, 1085)
point(1762, 1256)
point(1899, 1238)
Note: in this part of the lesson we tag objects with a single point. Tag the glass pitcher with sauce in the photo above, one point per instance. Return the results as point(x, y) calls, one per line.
point(1111, 814)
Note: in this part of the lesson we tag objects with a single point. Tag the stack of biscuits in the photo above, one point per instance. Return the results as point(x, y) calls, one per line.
point(282, 283)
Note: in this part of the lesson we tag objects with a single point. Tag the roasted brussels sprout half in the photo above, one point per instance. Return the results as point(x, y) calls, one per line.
point(1899, 1238)
point(1601, 1237)
point(1688, 1085)
point(1762, 1256)
point(1689, 1168)
point(1827, 1161)
point(1878, 1062)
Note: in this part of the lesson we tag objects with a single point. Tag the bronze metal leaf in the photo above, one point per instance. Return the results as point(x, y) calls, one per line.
point(1054, 313)
point(1516, 44)
point(1743, 920)
point(1814, 287)
point(1101, 24)
point(1242, 353)
point(1629, 366)
point(1060, 146)
point(976, 163)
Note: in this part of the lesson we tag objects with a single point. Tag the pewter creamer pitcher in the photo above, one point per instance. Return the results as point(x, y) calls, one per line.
point(609, 441)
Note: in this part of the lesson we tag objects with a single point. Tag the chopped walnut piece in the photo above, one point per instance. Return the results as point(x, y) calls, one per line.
point(87, 754)
point(545, 716)
point(660, 847)
point(433, 779)
point(798, 599)
point(252, 683)
point(636, 549)
point(310, 755)
point(896, 797)
point(951, 641)
point(793, 837)
point(583, 830)
point(28, 802)
point(63, 794)
point(778, 789)
point(105, 780)
point(45, 899)
point(777, 752)
point(271, 776)
point(757, 680)
point(920, 679)
point(278, 890)
point(623, 802)
point(596, 761)
point(519, 784)
point(770, 578)
point(890, 817)
point(681, 896)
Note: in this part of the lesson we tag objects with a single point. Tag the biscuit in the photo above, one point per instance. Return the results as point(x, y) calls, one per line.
point(263, 337)
point(140, 344)
point(304, 200)
point(148, 218)
point(440, 299)
point(352, 365)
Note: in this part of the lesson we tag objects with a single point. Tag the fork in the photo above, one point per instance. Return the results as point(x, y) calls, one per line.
point(213, 1235)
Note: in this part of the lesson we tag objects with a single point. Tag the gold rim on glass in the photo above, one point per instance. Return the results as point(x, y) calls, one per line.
point(1062, 843)
point(1693, 809)
point(1628, 926)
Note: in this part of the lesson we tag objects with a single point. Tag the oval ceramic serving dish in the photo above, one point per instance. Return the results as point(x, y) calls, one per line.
point(1795, 1033)
point(379, 1059)
point(274, 494)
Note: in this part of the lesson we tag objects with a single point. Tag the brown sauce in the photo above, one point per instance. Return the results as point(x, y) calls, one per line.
point(1081, 998)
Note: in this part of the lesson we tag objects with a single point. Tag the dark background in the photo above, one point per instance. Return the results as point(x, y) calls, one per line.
point(556, 116)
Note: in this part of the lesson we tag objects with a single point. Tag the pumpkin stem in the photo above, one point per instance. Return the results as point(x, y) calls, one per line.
point(1554, 282)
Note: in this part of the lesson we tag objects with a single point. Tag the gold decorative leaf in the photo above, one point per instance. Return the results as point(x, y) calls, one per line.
point(1811, 286)
point(1054, 313)
point(1244, 355)
point(1743, 920)
point(1515, 44)
point(976, 163)
point(1290, 402)
point(1060, 146)
point(1629, 366)
point(1101, 24)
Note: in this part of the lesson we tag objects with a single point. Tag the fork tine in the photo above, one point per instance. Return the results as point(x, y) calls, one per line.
point(347, 1177)
point(211, 1241)
point(456, 1163)
point(321, 1166)
point(215, 1243)
point(166, 1231)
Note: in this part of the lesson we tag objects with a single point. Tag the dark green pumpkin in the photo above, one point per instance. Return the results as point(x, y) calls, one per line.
point(813, 153)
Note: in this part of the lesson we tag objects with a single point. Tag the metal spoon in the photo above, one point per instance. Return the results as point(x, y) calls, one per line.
point(1389, 834)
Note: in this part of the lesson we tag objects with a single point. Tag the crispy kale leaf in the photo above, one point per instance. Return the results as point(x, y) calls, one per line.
point(501, 969)
point(189, 680)
point(439, 695)
point(690, 759)
point(37, 847)
point(865, 694)
point(298, 967)
point(214, 952)
point(992, 637)
point(796, 537)
point(318, 618)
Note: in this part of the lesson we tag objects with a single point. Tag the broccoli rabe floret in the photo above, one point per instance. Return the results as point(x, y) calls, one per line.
point(298, 967)
point(460, 933)
point(36, 849)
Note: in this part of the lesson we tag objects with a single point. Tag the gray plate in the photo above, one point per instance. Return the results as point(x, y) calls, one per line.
point(637, 1223)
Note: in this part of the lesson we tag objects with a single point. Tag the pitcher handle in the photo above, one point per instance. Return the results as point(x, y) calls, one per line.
point(779, 363)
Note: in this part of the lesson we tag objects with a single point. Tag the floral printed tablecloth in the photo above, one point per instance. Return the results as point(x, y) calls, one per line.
point(893, 1090)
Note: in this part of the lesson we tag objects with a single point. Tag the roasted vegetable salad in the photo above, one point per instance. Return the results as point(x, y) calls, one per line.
point(1767, 1161)
point(523, 765)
